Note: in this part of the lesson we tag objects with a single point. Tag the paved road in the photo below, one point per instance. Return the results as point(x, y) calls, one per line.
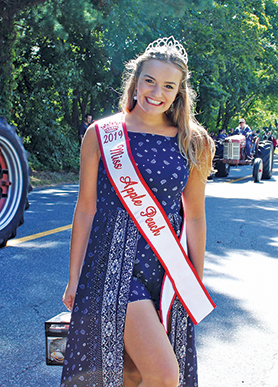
point(237, 343)
point(33, 277)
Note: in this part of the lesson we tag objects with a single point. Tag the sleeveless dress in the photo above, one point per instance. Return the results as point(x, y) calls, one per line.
point(120, 267)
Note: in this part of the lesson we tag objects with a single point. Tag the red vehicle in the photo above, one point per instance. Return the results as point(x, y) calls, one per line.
point(232, 152)
point(14, 182)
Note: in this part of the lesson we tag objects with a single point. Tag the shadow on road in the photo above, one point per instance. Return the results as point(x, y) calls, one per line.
point(244, 224)
point(242, 247)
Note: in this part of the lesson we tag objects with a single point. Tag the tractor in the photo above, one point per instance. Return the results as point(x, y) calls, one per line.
point(14, 182)
point(231, 152)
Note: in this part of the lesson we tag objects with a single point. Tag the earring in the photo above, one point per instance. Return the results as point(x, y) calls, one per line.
point(135, 96)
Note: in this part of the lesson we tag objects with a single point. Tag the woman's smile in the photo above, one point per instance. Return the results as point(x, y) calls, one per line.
point(153, 102)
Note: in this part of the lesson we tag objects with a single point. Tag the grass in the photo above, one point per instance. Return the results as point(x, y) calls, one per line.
point(41, 179)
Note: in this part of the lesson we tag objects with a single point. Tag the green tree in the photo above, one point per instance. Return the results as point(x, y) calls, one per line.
point(226, 45)
point(9, 9)
point(69, 61)
point(229, 67)
point(67, 57)
point(52, 58)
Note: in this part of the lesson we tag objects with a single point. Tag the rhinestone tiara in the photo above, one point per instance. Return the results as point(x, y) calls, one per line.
point(170, 43)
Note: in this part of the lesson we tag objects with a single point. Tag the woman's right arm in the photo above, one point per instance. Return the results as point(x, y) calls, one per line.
point(84, 213)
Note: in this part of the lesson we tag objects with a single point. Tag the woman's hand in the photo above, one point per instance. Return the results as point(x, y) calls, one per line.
point(69, 295)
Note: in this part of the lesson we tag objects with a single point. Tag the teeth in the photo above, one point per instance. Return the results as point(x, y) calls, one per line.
point(153, 101)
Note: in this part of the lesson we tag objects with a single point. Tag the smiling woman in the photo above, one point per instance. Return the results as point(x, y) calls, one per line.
point(130, 279)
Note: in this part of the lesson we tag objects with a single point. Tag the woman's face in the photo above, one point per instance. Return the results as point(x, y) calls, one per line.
point(158, 86)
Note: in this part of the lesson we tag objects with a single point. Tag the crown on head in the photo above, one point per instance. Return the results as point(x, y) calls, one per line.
point(170, 43)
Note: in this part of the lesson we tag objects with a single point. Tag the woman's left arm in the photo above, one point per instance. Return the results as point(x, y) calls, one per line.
point(195, 216)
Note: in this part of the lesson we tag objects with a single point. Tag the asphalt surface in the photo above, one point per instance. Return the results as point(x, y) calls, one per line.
point(33, 278)
point(237, 343)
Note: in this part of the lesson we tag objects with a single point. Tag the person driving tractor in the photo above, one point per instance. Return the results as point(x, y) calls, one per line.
point(247, 132)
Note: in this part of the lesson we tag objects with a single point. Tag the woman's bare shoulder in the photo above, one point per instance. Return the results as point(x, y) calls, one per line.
point(90, 145)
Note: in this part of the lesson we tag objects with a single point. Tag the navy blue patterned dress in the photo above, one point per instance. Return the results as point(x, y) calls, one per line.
point(120, 267)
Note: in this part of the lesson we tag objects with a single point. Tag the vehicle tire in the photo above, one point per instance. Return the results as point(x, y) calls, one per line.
point(257, 170)
point(265, 152)
point(223, 169)
point(14, 182)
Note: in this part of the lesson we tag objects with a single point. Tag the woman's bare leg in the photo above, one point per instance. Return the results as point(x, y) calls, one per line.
point(147, 344)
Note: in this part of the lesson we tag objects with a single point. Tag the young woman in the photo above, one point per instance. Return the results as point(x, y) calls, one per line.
point(116, 337)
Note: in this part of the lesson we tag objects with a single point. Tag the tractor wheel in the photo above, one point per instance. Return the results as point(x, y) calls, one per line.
point(223, 169)
point(257, 170)
point(14, 182)
point(265, 152)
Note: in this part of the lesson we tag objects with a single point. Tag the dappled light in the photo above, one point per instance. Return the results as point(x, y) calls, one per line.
point(35, 245)
point(238, 224)
point(240, 271)
point(59, 191)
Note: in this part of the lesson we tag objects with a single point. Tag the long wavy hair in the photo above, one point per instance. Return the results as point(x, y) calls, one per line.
point(194, 142)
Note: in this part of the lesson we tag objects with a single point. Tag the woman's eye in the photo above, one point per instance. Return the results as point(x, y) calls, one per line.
point(149, 80)
point(169, 87)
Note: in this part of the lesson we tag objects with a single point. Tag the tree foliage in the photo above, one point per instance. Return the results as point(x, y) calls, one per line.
point(60, 59)
point(8, 35)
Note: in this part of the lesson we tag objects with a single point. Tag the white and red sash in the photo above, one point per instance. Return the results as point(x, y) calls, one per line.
point(181, 278)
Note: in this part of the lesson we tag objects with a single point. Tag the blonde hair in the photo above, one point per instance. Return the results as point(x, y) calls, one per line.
point(194, 142)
